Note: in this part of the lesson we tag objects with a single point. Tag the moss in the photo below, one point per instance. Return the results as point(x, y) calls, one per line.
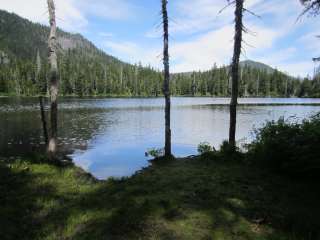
point(192, 198)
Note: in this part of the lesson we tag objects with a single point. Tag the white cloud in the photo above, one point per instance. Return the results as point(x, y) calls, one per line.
point(310, 41)
point(109, 9)
point(72, 15)
point(203, 52)
point(134, 53)
point(216, 47)
point(106, 34)
point(279, 56)
point(195, 16)
point(298, 68)
point(69, 17)
point(201, 15)
point(127, 48)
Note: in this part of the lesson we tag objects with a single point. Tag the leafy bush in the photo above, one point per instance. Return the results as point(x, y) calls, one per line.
point(204, 147)
point(228, 149)
point(155, 152)
point(292, 148)
point(228, 152)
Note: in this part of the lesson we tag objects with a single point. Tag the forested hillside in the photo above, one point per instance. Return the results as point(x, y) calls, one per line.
point(88, 71)
point(256, 79)
point(84, 69)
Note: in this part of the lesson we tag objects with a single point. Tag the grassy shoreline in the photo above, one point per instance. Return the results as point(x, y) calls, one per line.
point(206, 197)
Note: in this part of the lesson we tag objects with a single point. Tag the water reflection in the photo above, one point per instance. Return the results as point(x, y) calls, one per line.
point(109, 137)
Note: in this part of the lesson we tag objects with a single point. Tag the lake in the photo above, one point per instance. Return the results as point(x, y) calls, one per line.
point(109, 137)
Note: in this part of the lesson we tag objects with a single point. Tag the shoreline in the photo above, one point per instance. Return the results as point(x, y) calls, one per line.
point(160, 96)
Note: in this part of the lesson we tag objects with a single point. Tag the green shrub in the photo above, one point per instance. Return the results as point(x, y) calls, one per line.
point(292, 148)
point(229, 152)
point(155, 152)
point(227, 149)
point(204, 147)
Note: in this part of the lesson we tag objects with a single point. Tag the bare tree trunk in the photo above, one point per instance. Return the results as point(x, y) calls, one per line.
point(286, 88)
point(54, 79)
point(258, 83)
point(166, 86)
point(105, 80)
point(44, 121)
point(235, 71)
point(135, 81)
point(193, 87)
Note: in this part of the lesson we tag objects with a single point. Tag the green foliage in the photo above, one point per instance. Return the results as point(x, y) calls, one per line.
point(255, 81)
point(204, 147)
point(155, 152)
point(226, 148)
point(291, 148)
point(229, 153)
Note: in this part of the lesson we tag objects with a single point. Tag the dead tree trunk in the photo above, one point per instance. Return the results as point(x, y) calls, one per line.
point(166, 86)
point(54, 79)
point(235, 71)
point(44, 121)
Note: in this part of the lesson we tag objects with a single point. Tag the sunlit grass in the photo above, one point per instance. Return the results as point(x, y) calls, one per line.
point(198, 198)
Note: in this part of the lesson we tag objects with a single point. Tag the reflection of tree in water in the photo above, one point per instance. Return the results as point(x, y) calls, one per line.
point(21, 131)
point(81, 125)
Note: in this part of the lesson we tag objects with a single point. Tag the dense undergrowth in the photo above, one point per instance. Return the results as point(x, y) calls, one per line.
point(291, 148)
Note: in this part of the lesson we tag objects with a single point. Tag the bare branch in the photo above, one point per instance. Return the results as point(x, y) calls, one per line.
point(225, 7)
point(252, 13)
point(313, 8)
point(248, 31)
point(248, 44)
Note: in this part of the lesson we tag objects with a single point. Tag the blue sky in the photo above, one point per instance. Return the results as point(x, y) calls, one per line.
point(200, 37)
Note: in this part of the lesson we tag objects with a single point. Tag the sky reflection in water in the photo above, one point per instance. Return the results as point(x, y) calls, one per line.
point(109, 137)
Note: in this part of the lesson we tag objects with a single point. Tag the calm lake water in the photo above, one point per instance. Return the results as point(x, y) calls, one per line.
point(109, 137)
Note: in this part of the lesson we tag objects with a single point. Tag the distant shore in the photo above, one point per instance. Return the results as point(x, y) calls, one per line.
point(160, 96)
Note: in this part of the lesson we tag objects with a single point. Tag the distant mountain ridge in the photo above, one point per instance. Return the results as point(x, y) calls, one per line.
point(257, 65)
point(84, 69)
point(21, 38)
point(246, 63)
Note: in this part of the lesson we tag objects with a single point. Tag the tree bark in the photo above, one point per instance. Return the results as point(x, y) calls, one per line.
point(166, 86)
point(44, 121)
point(54, 79)
point(235, 71)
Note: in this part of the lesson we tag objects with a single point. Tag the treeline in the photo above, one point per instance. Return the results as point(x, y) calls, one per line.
point(254, 82)
point(80, 75)
point(85, 75)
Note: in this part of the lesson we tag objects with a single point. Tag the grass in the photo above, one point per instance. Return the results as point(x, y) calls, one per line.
point(193, 198)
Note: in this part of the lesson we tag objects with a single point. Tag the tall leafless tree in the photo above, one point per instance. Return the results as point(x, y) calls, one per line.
point(235, 70)
point(54, 79)
point(166, 86)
